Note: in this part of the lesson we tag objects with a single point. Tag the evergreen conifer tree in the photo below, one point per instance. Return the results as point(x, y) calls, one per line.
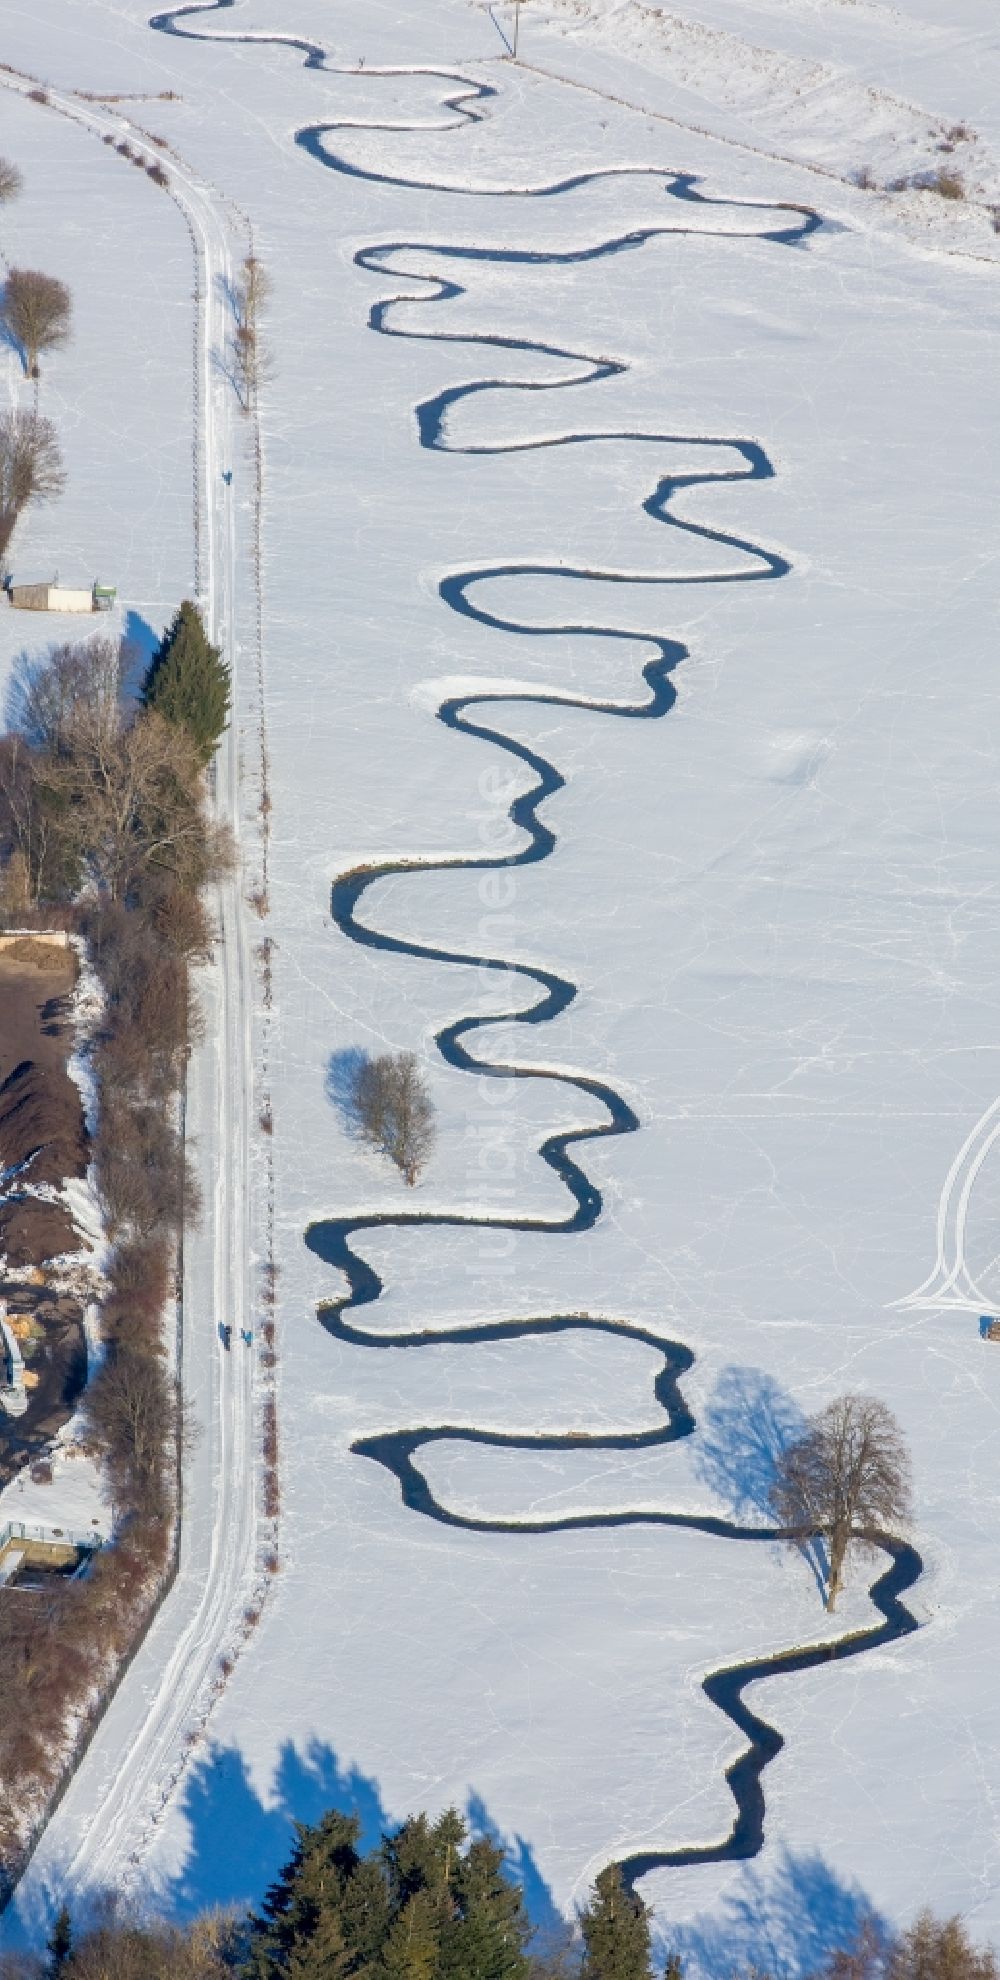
point(188, 682)
point(421, 1907)
point(673, 1967)
point(301, 1928)
point(615, 1929)
point(413, 1946)
point(364, 1912)
point(486, 1936)
point(59, 1943)
point(422, 1855)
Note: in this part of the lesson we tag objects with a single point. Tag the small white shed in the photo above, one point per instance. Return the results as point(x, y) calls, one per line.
point(50, 596)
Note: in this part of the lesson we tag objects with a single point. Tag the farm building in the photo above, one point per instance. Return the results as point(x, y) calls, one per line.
point(48, 595)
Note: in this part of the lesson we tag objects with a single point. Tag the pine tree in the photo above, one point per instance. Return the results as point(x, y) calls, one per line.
point(486, 1937)
point(59, 1943)
point(421, 1907)
point(615, 1930)
point(188, 682)
point(364, 1912)
point(422, 1855)
point(301, 1928)
point(412, 1948)
point(673, 1967)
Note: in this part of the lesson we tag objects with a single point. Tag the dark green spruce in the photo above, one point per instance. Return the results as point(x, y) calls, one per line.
point(615, 1929)
point(425, 1905)
point(301, 1926)
point(188, 682)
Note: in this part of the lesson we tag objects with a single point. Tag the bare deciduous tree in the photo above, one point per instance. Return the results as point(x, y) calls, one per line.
point(846, 1479)
point(37, 310)
point(124, 797)
point(394, 1111)
point(92, 789)
point(10, 181)
point(939, 1949)
point(129, 1403)
point(50, 697)
point(115, 1943)
point(31, 468)
point(251, 361)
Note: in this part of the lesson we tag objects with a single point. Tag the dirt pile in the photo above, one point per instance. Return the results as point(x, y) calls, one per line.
point(43, 1141)
point(42, 1133)
point(43, 1137)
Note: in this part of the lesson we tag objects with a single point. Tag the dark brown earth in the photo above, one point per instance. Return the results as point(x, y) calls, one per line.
point(43, 1138)
point(42, 1131)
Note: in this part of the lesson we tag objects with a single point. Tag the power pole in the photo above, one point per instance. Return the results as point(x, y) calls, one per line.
point(517, 24)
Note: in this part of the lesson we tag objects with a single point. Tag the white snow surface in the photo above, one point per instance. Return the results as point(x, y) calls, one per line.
point(779, 905)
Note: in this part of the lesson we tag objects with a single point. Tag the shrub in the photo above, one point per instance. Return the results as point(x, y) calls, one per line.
point(129, 1406)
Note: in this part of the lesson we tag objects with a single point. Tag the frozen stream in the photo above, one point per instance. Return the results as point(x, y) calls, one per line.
point(716, 558)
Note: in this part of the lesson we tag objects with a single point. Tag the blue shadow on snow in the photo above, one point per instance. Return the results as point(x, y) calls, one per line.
point(239, 1842)
point(786, 1922)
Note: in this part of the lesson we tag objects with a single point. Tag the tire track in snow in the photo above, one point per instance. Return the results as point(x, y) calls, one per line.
point(950, 1283)
point(331, 1239)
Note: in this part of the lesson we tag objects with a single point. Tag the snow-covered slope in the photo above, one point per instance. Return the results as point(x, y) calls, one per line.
point(777, 902)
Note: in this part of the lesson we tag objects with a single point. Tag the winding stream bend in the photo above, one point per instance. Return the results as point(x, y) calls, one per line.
point(332, 1239)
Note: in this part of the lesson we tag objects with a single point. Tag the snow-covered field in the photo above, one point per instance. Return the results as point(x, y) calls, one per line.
point(778, 902)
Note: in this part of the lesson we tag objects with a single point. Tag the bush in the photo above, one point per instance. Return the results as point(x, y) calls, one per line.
point(139, 1284)
point(129, 1407)
point(950, 185)
point(143, 1176)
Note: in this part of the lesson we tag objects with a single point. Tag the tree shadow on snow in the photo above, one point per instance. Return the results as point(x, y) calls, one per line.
point(520, 1864)
point(139, 643)
point(240, 1840)
point(785, 1922)
point(342, 1071)
point(9, 342)
point(748, 1423)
